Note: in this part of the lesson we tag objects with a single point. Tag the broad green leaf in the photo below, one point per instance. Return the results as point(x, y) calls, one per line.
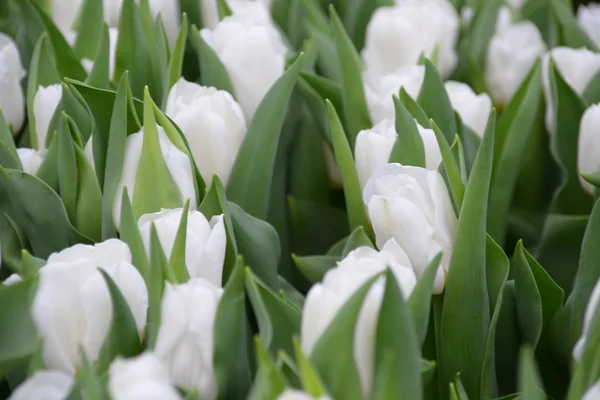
point(223, 9)
point(159, 274)
point(529, 381)
point(419, 301)
point(177, 259)
point(358, 238)
point(572, 35)
point(551, 294)
point(6, 138)
point(311, 381)
point(482, 29)
point(287, 369)
point(8, 159)
point(131, 235)
point(88, 210)
point(591, 95)
point(314, 268)
point(90, 30)
point(269, 382)
point(176, 61)
point(465, 314)
point(193, 9)
point(100, 74)
point(90, 383)
point(453, 172)
point(252, 174)
point(13, 241)
point(212, 70)
point(414, 109)
point(529, 302)
point(67, 169)
point(30, 265)
point(408, 148)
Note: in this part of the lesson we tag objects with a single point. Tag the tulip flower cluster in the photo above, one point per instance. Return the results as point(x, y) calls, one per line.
point(299, 199)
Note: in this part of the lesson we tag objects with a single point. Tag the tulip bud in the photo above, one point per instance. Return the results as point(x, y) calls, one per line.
point(511, 54)
point(185, 336)
point(112, 12)
point(374, 146)
point(177, 162)
point(593, 393)
point(204, 244)
point(140, 378)
point(577, 67)
point(45, 103)
point(213, 124)
point(588, 155)
point(113, 37)
point(474, 110)
point(325, 299)
point(30, 159)
point(516, 4)
point(398, 36)
point(590, 311)
point(252, 51)
point(588, 18)
point(170, 15)
point(210, 11)
point(11, 73)
point(72, 307)
point(65, 13)
point(379, 89)
point(293, 394)
point(412, 206)
point(47, 385)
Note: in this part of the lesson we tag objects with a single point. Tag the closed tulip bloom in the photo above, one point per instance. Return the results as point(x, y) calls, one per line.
point(213, 124)
point(252, 51)
point(204, 245)
point(474, 109)
point(577, 67)
point(30, 159)
point(12, 101)
point(593, 393)
point(140, 378)
point(293, 394)
point(65, 13)
point(325, 299)
point(412, 206)
point(397, 36)
point(511, 53)
point(588, 18)
point(588, 156)
point(170, 15)
point(210, 11)
point(185, 337)
point(379, 89)
point(44, 385)
point(590, 311)
point(45, 103)
point(177, 162)
point(374, 146)
point(72, 307)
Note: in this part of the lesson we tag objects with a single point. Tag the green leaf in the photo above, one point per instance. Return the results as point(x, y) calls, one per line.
point(7, 139)
point(91, 385)
point(529, 302)
point(278, 321)
point(8, 159)
point(311, 381)
point(482, 29)
point(269, 382)
point(159, 273)
point(176, 61)
point(90, 30)
point(358, 238)
point(435, 101)
point(396, 335)
point(340, 373)
point(455, 177)
point(252, 174)
point(591, 95)
point(30, 265)
point(100, 74)
point(88, 211)
point(353, 95)
point(314, 268)
point(123, 338)
point(67, 169)
point(465, 314)
point(414, 109)
point(357, 215)
point(529, 381)
point(419, 301)
point(408, 148)
point(131, 235)
point(177, 260)
point(212, 70)
point(572, 35)
point(223, 9)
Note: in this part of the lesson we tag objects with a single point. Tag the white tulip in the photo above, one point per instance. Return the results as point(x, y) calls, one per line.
point(474, 109)
point(45, 102)
point(170, 15)
point(12, 101)
point(44, 385)
point(466, 15)
point(177, 162)
point(325, 299)
point(112, 12)
point(185, 336)
point(113, 37)
point(412, 206)
point(141, 378)
point(397, 36)
point(588, 18)
point(374, 146)
point(210, 11)
point(379, 89)
point(30, 159)
point(577, 67)
point(252, 51)
point(516, 4)
point(593, 393)
point(72, 306)
point(65, 13)
point(590, 311)
point(511, 53)
point(293, 394)
point(213, 124)
point(588, 156)
point(204, 245)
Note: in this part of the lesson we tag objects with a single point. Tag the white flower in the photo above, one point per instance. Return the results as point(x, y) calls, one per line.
point(113, 37)
point(65, 13)
point(588, 18)
point(72, 306)
point(12, 101)
point(293, 394)
point(44, 385)
point(577, 67)
point(588, 155)
point(379, 89)
point(511, 54)
point(374, 146)
point(140, 378)
point(204, 246)
point(170, 15)
point(325, 299)
point(45, 103)
point(516, 4)
point(30, 159)
point(590, 311)
point(252, 51)
point(474, 109)
point(177, 162)
point(593, 393)
point(213, 123)
point(412, 206)
point(210, 11)
point(397, 36)
point(466, 15)
point(185, 336)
